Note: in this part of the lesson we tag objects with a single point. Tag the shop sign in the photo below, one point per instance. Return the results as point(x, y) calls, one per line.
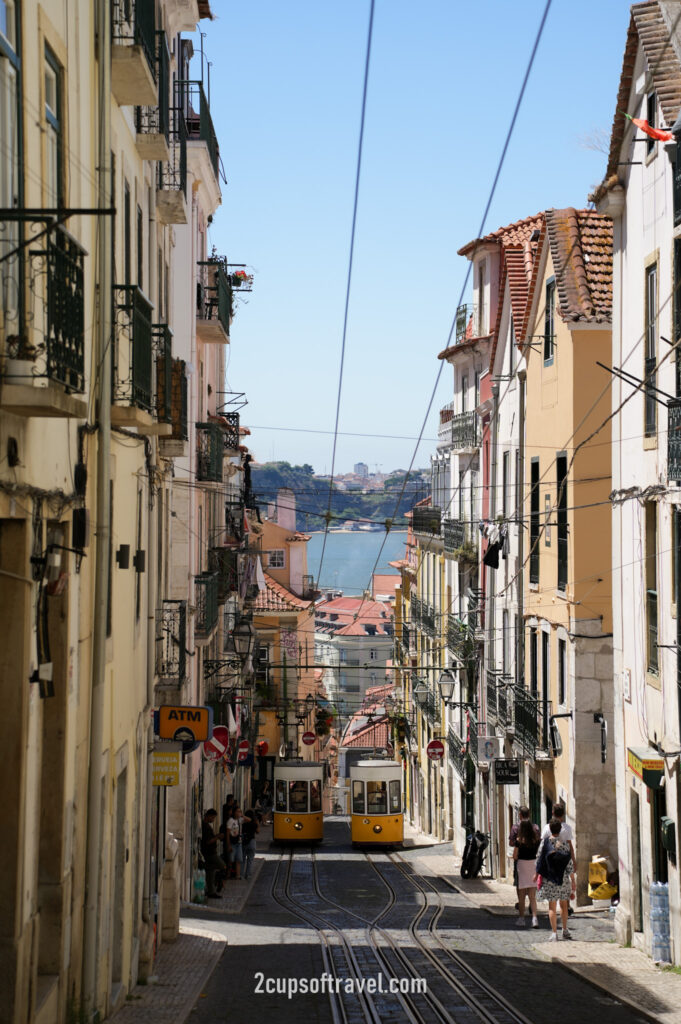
point(506, 771)
point(165, 768)
point(647, 765)
point(488, 748)
point(188, 724)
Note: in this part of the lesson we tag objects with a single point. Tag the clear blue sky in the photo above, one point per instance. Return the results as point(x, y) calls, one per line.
point(286, 81)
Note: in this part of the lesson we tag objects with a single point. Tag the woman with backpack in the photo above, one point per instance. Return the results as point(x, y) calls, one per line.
point(554, 874)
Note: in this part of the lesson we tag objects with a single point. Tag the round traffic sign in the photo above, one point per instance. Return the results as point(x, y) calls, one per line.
point(262, 748)
point(244, 747)
point(435, 750)
point(216, 747)
point(308, 738)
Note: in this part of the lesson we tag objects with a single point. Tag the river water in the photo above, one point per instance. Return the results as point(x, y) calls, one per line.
point(349, 558)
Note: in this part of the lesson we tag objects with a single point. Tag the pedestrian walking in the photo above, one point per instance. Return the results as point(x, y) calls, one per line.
point(236, 854)
point(555, 876)
point(227, 810)
point(249, 830)
point(524, 815)
point(215, 865)
point(566, 836)
point(524, 857)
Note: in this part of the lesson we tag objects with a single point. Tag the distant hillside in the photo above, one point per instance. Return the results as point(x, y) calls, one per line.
point(312, 496)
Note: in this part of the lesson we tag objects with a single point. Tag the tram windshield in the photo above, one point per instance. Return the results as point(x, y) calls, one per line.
point(315, 795)
point(280, 796)
point(297, 797)
point(395, 802)
point(377, 798)
point(358, 797)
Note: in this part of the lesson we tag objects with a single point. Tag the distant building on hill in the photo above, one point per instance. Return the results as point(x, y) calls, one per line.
point(354, 636)
point(361, 469)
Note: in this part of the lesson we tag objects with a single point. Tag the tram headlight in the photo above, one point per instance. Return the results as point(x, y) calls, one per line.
point(378, 828)
point(298, 825)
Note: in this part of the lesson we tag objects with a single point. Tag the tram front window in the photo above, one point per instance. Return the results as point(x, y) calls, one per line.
point(297, 797)
point(395, 802)
point(280, 796)
point(315, 795)
point(377, 798)
point(358, 798)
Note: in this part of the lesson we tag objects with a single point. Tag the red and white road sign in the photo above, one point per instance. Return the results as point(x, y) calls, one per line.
point(262, 748)
point(244, 748)
point(435, 750)
point(308, 738)
point(216, 747)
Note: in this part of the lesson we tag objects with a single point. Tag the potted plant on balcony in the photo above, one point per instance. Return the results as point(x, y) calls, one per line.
point(21, 358)
point(240, 277)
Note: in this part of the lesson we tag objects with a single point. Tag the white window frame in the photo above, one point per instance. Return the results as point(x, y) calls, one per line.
point(276, 552)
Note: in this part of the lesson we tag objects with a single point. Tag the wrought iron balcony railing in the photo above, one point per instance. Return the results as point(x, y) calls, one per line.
point(134, 21)
point(461, 431)
point(155, 120)
point(162, 339)
point(674, 439)
point(426, 519)
point(407, 643)
point(214, 299)
point(530, 718)
point(230, 426)
point(224, 562)
point(461, 640)
point(492, 678)
point(206, 591)
point(472, 736)
point(210, 449)
point(429, 704)
point(454, 531)
point(171, 393)
point(428, 619)
point(171, 179)
point(456, 748)
point(65, 319)
point(171, 642)
point(467, 322)
point(192, 100)
point(132, 370)
point(416, 614)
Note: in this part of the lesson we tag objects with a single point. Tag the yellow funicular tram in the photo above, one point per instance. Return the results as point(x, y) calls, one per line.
point(377, 815)
point(298, 816)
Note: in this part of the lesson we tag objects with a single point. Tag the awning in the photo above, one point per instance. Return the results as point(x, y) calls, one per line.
point(647, 764)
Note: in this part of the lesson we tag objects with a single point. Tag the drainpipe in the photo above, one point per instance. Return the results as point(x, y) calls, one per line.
point(520, 498)
point(491, 608)
point(103, 528)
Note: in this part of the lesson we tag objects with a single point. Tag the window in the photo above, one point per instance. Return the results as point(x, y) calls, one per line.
point(562, 671)
point(511, 349)
point(297, 797)
point(651, 115)
point(549, 320)
point(11, 191)
point(651, 351)
point(505, 658)
point(461, 495)
point(373, 654)
point(677, 312)
point(395, 800)
point(481, 301)
point(315, 795)
point(53, 130)
point(651, 586)
point(534, 688)
point(476, 381)
point(505, 476)
point(562, 519)
point(377, 798)
point(545, 680)
point(276, 559)
point(534, 521)
point(358, 797)
point(280, 795)
point(140, 248)
point(126, 233)
point(464, 392)
point(343, 656)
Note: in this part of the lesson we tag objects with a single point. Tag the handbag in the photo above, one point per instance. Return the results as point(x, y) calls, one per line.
point(539, 881)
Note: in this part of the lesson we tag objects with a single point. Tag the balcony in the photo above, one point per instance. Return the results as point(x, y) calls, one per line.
point(133, 64)
point(203, 150)
point(209, 444)
point(172, 403)
point(229, 422)
point(224, 562)
point(206, 597)
point(171, 180)
point(134, 382)
point(492, 691)
point(213, 302)
point(153, 122)
point(461, 640)
point(426, 519)
point(171, 643)
point(467, 323)
point(674, 439)
point(456, 748)
point(44, 371)
point(530, 720)
point(460, 431)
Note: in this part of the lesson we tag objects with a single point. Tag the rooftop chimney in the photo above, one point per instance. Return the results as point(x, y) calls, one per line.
point(286, 509)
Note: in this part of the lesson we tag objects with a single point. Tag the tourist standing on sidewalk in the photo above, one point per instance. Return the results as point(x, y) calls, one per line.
point(556, 868)
point(249, 830)
point(215, 865)
point(524, 856)
point(227, 811)
point(236, 854)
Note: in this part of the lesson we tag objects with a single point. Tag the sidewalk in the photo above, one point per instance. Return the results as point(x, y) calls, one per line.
point(625, 974)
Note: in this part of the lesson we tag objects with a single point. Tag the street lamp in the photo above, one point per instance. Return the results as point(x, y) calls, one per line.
point(447, 682)
point(244, 638)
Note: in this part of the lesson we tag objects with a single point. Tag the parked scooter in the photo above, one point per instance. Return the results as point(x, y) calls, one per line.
point(473, 854)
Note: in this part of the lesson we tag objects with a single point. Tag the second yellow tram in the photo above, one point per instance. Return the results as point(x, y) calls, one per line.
point(297, 815)
point(376, 798)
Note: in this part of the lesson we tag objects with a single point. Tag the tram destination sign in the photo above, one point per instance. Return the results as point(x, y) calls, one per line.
point(506, 771)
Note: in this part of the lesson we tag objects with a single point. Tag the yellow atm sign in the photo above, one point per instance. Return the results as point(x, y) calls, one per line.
point(184, 723)
point(165, 768)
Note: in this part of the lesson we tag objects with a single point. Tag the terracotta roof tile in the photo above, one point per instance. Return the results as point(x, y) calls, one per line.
point(581, 249)
point(513, 234)
point(277, 598)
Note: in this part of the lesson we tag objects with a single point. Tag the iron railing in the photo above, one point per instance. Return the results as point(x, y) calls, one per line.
point(650, 393)
point(162, 340)
point(172, 176)
point(214, 292)
point(651, 619)
point(492, 696)
point(429, 704)
point(224, 562)
point(460, 638)
point(406, 639)
point(206, 591)
point(674, 439)
point(531, 721)
point(156, 120)
point(454, 534)
point(502, 701)
point(134, 21)
point(230, 428)
point(416, 614)
point(210, 450)
point(464, 430)
point(171, 642)
point(171, 394)
point(467, 322)
point(456, 749)
point(428, 619)
point(426, 519)
point(192, 100)
point(65, 311)
point(472, 737)
point(132, 371)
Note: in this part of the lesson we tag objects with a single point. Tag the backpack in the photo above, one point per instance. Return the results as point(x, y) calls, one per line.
point(552, 863)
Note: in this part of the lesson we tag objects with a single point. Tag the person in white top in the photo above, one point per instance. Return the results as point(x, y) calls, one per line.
point(566, 834)
point(236, 855)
